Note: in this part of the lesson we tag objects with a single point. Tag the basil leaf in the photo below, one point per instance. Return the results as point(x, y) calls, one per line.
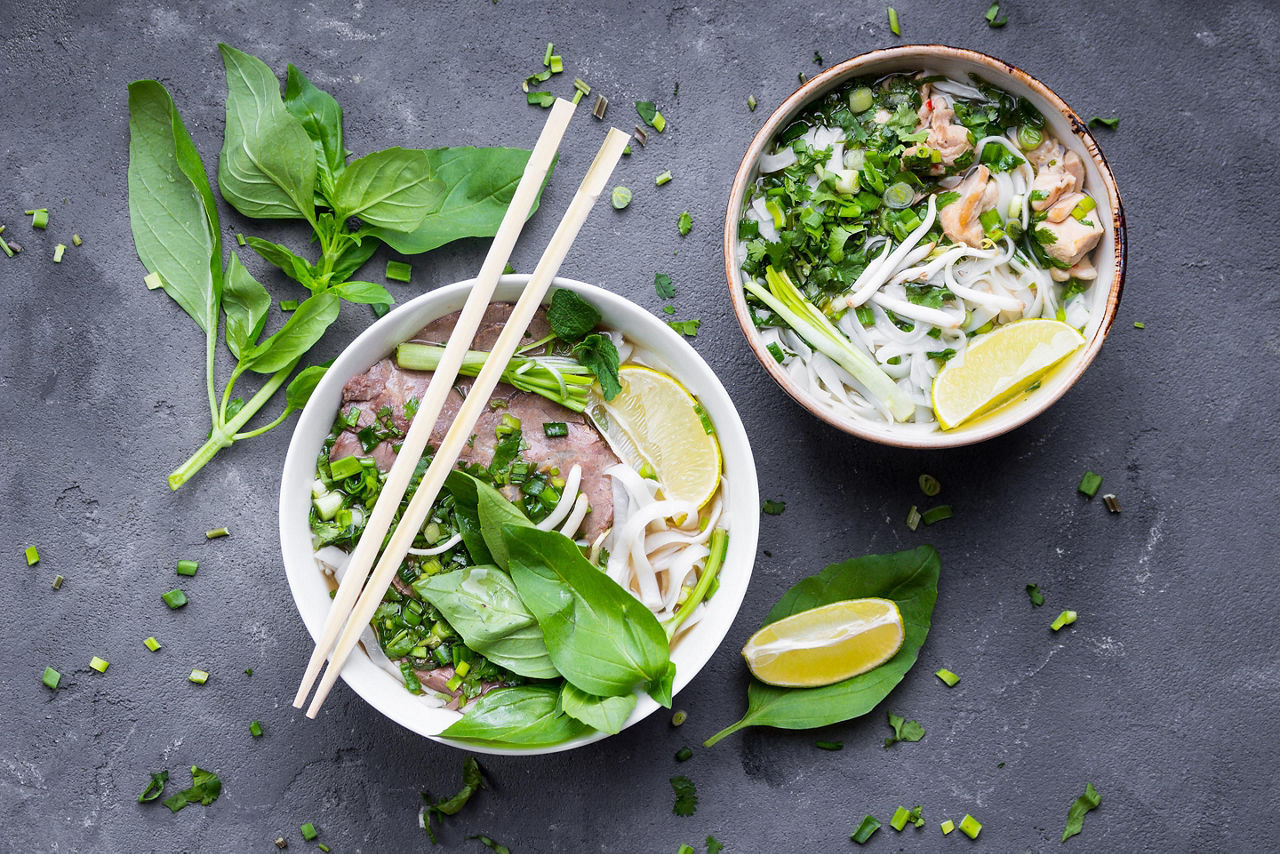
point(171, 208)
point(570, 316)
point(598, 353)
point(302, 330)
point(268, 167)
point(353, 257)
point(606, 714)
point(364, 293)
point(495, 513)
point(389, 189)
point(1075, 813)
point(303, 385)
point(524, 715)
point(909, 578)
point(246, 303)
point(321, 117)
point(296, 268)
point(482, 605)
point(660, 689)
point(464, 489)
point(600, 637)
point(477, 185)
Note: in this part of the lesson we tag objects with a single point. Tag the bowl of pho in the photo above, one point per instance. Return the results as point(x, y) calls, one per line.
point(589, 550)
point(925, 246)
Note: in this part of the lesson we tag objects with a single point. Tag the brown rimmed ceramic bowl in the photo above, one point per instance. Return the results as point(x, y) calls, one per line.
point(1066, 126)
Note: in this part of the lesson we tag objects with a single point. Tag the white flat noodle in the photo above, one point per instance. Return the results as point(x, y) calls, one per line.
point(567, 497)
point(774, 162)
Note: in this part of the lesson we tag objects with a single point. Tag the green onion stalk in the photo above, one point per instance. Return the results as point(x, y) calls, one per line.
point(556, 378)
point(718, 546)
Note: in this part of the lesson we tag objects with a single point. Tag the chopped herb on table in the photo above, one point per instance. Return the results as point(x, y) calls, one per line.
point(688, 328)
point(1063, 620)
point(751, 103)
point(774, 508)
point(472, 782)
point(205, 788)
point(903, 730)
point(496, 847)
point(829, 745)
point(32, 555)
point(714, 846)
point(947, 676)
point(929, 485)
point(1112, 124)
point(1112, 503)
point(868, 826)
point(255, 729)
point(651, 116)
point(663, 178)
point(993, 16)
point(99, 664)
point(970, 826)
point(155, 788)
point(684, 223)
point(936, 514)
point(1037, 598)
point(399, 271)
point(621, 197)
point(894, 26)
point(39, 217)
point(1089, 484)
point(1075, 814)
point(175, 599)
point(684, 754)
point(152, 644)
point(686, 796)
point(662, 284)
point(309, 831)
point(51, 678)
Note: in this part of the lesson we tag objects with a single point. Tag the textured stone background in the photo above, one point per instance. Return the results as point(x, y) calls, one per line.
point(1163, 695)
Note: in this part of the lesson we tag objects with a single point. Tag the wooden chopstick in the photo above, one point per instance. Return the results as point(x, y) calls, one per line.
point(442, 380)
point(476, 401)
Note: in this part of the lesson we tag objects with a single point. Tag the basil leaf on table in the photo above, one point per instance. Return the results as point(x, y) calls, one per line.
point(390, 189)
point(353, 257)
point(600, 637)
point(606, 714)
point(302, 386)
point(363, 293)
point(246, 303)
point(481, 604)
point(524, 715)
point(268, 166)
point(299, 333)
point(909, 578)
point(171, 209)
point(477, 185)
point(297, 268)
point(321, 117)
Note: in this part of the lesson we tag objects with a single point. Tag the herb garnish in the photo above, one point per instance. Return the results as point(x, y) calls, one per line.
point(992, 16)
point(1063, 620)
point(472, 782)
point(572, 318)
point(662, 284)
point(688, 328)
point(1089, 484)
point(868, 826)
point(684, 223)
point(1095, 121)
point(1075, 814)
point(686, 796)
point(903, 730)
point(496, 847)
point(773, 508)
point(620, 197)
point(714, 846)
point(651, 116)
point(205, 788)
point(155, 788)
point(947, 677)
point(1037, 598)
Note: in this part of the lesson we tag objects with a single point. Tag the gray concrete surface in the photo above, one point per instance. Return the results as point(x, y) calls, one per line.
point(1163, 694)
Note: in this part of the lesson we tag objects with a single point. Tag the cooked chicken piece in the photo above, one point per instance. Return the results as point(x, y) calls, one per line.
point(1057, 172)
point(960, 218)
point(1072, 238)
point(1084, 269)
point(945, 136)
point(1063, 207)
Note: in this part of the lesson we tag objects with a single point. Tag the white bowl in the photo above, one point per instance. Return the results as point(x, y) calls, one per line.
point(311, 594)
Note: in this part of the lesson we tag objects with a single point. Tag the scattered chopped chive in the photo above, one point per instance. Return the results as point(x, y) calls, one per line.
point(1113, 503)
point(913, 518)
point(621, 197)
point(546, 57)
point(175, 599)
point(248, 671)
point(215, 533)
point(868, 826)
point(153, 281)
point(308, 829)
point(199, 676)
point(776, 352)
point(899, 820)
point(289, 305)
point(255, 729)
point(240, 239)
point(152, 644)
point(664, 178)
point(581, 86)
point(345, 467)
point(1037, 598)
point(679, 717)
point(399, 271)
point(947, 676)
point(39, 217)
point(454, 683)
point(627, 150)
point(992, 14)
point(970, 826)
point(893, 22)
point(1138, 324)
point(33, 555)
point(773, 508)
point(323, 847)
point(75, 240)
point(1089, 484)
point(829, 745)
point(58, 249)
point(1108, 123)
point(557, 64)
point(4, 244)
point(684, 223)
point(602, 104)
point(686, 848)
point(540, 77)
point(948, 826)
point(936, 514)
point(707, 426)
point(1066, 618)
point(555, 429)
point(1075, 814)
point(641, 136)
point(188, 567)
point(540, 99)
point(684, 754)
point(281, 843)
point(929, 485)
point(57, 582)
point(99, 664)
point(751, 103)
point(51, 678)
point(668, 309)
point(577, 96)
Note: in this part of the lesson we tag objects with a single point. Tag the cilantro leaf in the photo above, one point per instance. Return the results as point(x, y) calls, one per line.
point(662, 284)
point(714, 846)
point(1037, 598)
point(686, 796)
point(205, 788)
point(571, 317)
point(155, 788)
point(472, 782)
point(686, 327)
point(1075, 815)
point(597, 353)
point(685, 223)
point(774, 508)
point(903, 730)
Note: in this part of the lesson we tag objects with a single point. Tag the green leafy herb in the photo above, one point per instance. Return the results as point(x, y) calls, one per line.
point(868, 826)
point(686, 796)
point(916, 816)
point(607, 714)
point(155, 788)
point(649, 113)
point(684, 754)
point(205, 788)
point(1089, 484)
point(829, 745)
point(774, 508)
point(1037, 598)
point(993, 17)
point(684, 223)
point(662, 284)
point(570, 316)
point(1075, 814)
point(909, 578)
point(522, 715)
point(51, 678)
point(688, 328)
point(903, 730)
point(472, 782)
point(598, 353)
point(1095, 121)
point(714, 846)
point(496, 847)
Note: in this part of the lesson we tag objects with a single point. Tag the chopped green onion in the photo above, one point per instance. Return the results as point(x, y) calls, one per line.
point(556, 64)
point(175, 599)
point(153, 281)
point(57, 252)
point(152, 644)
point(970, 826)
point(868, 826)
point(51, 678)
point(1029, 137)
point(899, 196)
point(685, 223)
point(345, 467)
point(308, 829)
point(240, 239)
point(913, 518)
point(621, 197)
point(540, 99)
point(4, 244)
point(679, 717)
point(99, 664)
point(399, 271)
point(1082, 208)
point(281, 843)
point(1138, 324)
point(663, 178)
point(991, 16)
point(455, 681)
point(39, 217)
point(33, 555)
point(929, 485)
point(1113, 503)
point(948, 826)
point(773, 508)
point(215, 533)
point(199, 676)
point(893, 22)
point(602, 104)
point(508, 425)
point(1037, 598)
point(686, 848)
point(751, 103)
point(899, 820)
point(555, 429)
point(707, 426)
point(188, 567)
point(75, 240)
point(463, 668)
point(936, 514)
point(1089, 484)
point(1066, 618)
point(581, 86)
point(289, 305)
point(829, 745)
point(248, 671)
point(860, 100)
point(1093, 122)
point(947, 676)
point(57, 582)
point(776, 352)
point(990, 220)
point(684, 754)
point(255, 729)
point(323, 847)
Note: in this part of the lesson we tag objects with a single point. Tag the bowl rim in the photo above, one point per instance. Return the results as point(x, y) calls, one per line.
point(818, 86)
point(364, 677)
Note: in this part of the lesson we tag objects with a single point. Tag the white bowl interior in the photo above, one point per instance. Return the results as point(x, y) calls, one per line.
point(311, 593)
point(1057, 383)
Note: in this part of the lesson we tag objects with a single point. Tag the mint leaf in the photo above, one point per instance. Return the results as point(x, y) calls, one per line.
point(662, 284)
point(903, 730)
point(571, 317)
point(597, 353)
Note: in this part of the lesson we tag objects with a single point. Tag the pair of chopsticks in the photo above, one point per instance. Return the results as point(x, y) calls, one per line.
point(355, 600)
